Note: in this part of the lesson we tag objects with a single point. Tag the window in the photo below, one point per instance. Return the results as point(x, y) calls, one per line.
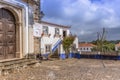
point(80, 48)
point(87, 48)
point(56, 31)
point(64, 33)
point(45, 30)
point(48, 48)
point(84, 49)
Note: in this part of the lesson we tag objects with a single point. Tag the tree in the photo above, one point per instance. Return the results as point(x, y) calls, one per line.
point(109, 47)
point(67, 43)
point(102, 44)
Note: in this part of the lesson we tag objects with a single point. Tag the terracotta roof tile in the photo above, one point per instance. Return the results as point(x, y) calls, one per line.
point(118, 45)
point(86, 45)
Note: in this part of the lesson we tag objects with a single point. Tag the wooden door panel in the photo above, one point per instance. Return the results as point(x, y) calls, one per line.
point(1, 32)
point(2, 50)
point(10, 27)
point(10, 51)
point(10, 40)
point(1, 39)
point(1, 27)
point(7, 34)
point(0, 13)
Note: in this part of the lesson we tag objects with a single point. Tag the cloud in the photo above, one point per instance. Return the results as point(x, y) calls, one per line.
point(85, 16)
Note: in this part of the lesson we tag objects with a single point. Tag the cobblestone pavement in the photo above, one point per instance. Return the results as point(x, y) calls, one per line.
point(69, 69)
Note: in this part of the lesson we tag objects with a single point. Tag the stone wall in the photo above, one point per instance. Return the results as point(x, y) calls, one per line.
point(36, 45)
point(35, 4)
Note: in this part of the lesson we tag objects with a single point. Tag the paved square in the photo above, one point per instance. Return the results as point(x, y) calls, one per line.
point(69, 69)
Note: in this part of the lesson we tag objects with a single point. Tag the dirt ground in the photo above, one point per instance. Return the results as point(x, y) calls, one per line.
point(69, 69)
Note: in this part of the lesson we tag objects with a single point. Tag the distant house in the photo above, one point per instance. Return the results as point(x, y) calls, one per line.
point(86, 47)
point(117, 46)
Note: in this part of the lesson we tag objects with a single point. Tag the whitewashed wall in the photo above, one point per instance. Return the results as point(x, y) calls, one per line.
point(76, 42)
point(116, 48)
point(85, 49)
point(51, 40)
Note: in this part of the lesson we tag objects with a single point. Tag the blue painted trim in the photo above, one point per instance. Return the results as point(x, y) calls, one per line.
point(56, 45)
point(77, 55)
point(97, 56)
point(101, 56)
point(62, 56)
point(71, 55)
point(118, 57)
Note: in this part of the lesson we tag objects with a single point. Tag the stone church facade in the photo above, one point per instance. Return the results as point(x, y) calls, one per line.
point(16, 28)
point(18, 19)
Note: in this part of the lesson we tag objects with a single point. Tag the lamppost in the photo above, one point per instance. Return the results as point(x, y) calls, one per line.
point(41, 15)
point(28, 28)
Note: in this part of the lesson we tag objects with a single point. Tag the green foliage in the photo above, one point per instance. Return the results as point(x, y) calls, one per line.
point(67, 42)
point(94, 49)
point(108, 47)
point(103, 46)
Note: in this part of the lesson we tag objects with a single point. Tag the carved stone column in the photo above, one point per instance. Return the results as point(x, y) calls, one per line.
point(18, 39)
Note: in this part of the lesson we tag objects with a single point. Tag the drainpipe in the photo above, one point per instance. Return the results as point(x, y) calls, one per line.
point(14, 2)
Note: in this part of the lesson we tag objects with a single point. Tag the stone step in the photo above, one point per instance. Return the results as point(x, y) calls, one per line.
point(9, 65)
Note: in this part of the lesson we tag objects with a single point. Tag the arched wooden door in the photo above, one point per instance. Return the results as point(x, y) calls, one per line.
point(7, 34)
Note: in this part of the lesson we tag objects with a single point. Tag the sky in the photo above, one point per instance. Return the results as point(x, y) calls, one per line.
point(86, 17)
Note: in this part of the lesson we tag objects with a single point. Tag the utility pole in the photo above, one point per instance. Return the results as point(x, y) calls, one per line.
point(100, 39)
point(39, 21)
point(103, 38)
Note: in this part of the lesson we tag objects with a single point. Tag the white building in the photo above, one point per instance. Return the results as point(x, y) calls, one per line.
point(117, 47)
point(51, 37)
point(86, 47)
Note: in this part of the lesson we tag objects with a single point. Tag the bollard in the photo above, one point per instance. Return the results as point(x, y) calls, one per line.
point(62, 56)
point(77, 55)
point(118, 57)
point(71, 55)
point(97, 56)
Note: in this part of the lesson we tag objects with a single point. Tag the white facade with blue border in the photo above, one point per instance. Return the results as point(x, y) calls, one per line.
point(51, 38)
